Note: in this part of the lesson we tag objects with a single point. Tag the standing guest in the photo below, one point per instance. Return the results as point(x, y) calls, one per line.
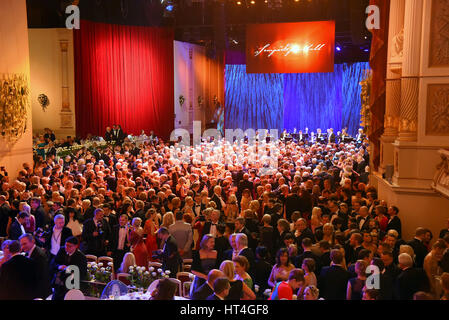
point(39, 214)
point(241, 241)
point(136, 226)
point(40, 260)
point(241, 266)
point(67, 256)
point(266, 234)
point(239, 290)
point(308, 265)
point(171, 260)
point(120, 243)
point(302, 232)
point(221, 289)
point(411, 280)
point(221, 242)
point(356, 285)
point(394, 222)
point(4, 215)
point(281, 269)
point(18, 276)
point(432, 267)
point(204, 260)
point(419, 247)
point(57, 236)
point(73, 222)
point(6, 252)
point(370, 294)
point(307, 253)
point(263, 270)
point(284, 290)
point(207, 288)
point(210, 227)
point(445, 285)
point(139, 249)
point(183, 234)
point(444, 232)
point(95, 234)
point(18, 226)
point(150, 228)
point(333, 280)
point(232, 252)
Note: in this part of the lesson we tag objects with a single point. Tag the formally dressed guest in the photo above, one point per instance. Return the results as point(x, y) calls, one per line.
point(5, 212)
point(183, 234)
point(73, 222)
point(307, 253)
point(40, 259)
point(333, 280)
point(6, 252)
point(119, 241)
point(136, 226)
point(241, 266)
point(284, 290)
point(167, 220)
point(57, 236)
point(355, 285)
point(302, 232)
point(266, 234)
point(432, 267)
point(171, 260)
point(128, 260)
point(444, 232)
point(165, 290)
point(239, 290)
point(410, 280)
point(18, 276)
point(221, 242)
point(18, 226)
point(325, 259)
point(221, 289)
point(150, 228)
point(419, 247)
point(363, 218)
point(308, 265)
point(281, 269)
point(95, 234)
point(108, 136)
point(38, 212)
point(204, 260)
point(241, 241)
point(138, 248)
point(207, 288)
point(67, 256)
point(353, 247)
point(311, 293)
point(263, 270)
point(283, 229)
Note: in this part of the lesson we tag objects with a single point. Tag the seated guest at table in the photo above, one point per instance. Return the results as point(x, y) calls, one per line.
point(204, 260)
point(67, 256)
point(241, 266)
point(333, 280)
point(165, 290)
point(281, 269)
point(120, 243)
point(221, 289)
point(285, 289)
point(139, 249)
point(239, 290)
point(18, 276)
point(128, 260)
point(355, 285)
point(207, 288)
point(171, 260)
point(18, 226)
point(57, 236)
point(40, 260)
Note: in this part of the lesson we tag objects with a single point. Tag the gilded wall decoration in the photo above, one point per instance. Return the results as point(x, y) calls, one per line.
point(441, 178)
point(439, 34)
point(437, 118)
point(14, 106)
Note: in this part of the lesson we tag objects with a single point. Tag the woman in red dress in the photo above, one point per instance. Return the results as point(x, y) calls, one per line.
point(139, 249)
point(150, 228)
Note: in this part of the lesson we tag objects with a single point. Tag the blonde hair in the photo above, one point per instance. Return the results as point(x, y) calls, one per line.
point(128, 260)
point(254, 205)
point(228, 268)
point(405, 248)
point(168, 219)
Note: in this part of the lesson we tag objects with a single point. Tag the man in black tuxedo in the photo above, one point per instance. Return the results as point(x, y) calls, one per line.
point(353, 247)
point(241, 241)
point(207, 289)
point(244, 184)
point(241, 228)
point(418, 246)
point(333, 280)
point(108, 134)
point(171, 260)
point(325, 258)
point(57, 236)
point(292, 203)
point(307, 253)
point(221, 289)
point(17, 226)
point(210, 227)
point(410, 280)
point(331, 136)
point(363, 218)
point(18, 276)
point(394, 222)
point(69, 255)
point(109, 216)
point(218, 199)
point(221, 242)
point(391, 273)
point(38, 211)
point(119, 244)
point(95, 234)
point(38, 255)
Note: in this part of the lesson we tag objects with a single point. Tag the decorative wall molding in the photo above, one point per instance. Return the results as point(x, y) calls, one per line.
point(441, 179)
point(439, 34)
point(437, 112)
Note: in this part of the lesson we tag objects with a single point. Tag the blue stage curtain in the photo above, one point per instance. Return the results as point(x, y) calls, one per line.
point(313, 100)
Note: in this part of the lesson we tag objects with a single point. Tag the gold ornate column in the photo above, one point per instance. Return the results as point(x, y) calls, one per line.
point(66, 112)
point(408, 121)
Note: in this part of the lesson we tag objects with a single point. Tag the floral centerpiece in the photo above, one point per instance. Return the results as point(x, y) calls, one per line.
point(141, 277)
point(98, 276)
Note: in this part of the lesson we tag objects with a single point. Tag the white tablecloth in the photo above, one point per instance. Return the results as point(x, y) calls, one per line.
point(140, 296)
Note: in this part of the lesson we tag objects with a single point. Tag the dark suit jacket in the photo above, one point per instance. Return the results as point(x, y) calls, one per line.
point(365, 225)
point(420, 251)
point(94, 245)
point(171, 260)
point(15, 231)
point(65, 233)
point(18, 279)
point(4, 218)
point(325, 260)
point(333, 282)
point(203, 292)
point(249, 254)
point(308, 254)
point(213, 297)
point(42, 268)
point(221, 245)
point(217, 201)
point(40, 216)
point(409, 282)
point(395, 224)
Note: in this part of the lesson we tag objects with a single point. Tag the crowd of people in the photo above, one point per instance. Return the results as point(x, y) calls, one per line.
point(311, 227)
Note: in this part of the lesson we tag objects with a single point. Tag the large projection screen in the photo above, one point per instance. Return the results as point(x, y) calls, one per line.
point(300, 47)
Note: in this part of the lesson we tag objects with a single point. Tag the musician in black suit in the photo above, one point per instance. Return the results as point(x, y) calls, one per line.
point(394, 222)
point(410, 280)
point(331, 136)
point(207, 288)
point(18, 276)
point(171, 260)
point(95, 235)
point(55, 239)
point(319, 135)
point(39, 257)
point(418, 246)
point(119, 244)
point(221, 289)
point(17, 226)
point(360, 137)
point(333, 280)
point(108, 136)
point(69, 255)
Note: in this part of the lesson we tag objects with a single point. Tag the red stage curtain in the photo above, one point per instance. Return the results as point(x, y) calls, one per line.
point(378, 63)
point(123, 75)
